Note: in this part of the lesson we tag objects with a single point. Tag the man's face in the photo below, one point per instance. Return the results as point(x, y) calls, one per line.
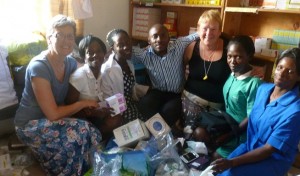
point(159, 39)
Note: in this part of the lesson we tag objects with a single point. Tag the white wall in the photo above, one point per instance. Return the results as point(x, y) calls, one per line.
point(108, 14)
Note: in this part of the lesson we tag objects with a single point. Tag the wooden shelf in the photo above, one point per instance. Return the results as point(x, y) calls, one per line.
point(236, 20)
point(156, 4)
point(139, 38)
point(258, 21)
point(241, 9)
point(258, 9)
point(266, 61)
point(187, 14)
point(279, 11)
point(264, 58)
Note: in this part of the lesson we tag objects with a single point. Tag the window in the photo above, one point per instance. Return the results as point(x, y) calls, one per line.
point(19, 17)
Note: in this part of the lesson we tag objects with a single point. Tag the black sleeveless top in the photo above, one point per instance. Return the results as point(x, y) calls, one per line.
point(210, 89)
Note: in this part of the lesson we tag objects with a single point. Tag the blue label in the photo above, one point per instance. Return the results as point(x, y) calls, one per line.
point(157, 126)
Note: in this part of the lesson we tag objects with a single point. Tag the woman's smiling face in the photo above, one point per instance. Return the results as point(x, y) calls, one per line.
point(122, 46)
point(62, 40)
point(94, 56)
point(286, 75)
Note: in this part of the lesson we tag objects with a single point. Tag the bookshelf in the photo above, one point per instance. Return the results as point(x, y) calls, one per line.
point(252, 21)
point(187, 15)
point(256, 21)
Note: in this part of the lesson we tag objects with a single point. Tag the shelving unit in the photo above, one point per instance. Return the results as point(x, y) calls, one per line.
point(255, 21)
point(187, 15)
point(252, 21)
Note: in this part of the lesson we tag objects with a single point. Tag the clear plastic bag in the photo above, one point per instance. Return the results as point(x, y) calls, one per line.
point(157, 156)
point(101, 167)
point(127, 163)
point(163, 157)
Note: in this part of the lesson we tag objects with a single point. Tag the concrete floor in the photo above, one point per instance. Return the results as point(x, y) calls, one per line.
point(21, 160)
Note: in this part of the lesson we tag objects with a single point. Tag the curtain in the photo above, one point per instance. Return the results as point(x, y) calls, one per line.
point(20, 17)
point(65, 7)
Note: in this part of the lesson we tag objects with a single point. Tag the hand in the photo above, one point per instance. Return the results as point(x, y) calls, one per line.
point(90, 104)
point(104, 112)
point(222, 164)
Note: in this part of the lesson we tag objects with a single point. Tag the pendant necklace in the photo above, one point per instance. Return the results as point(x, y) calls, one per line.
point(204, 63)
point(206, 72)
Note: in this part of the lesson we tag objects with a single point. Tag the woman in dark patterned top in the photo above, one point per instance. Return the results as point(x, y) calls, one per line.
point(118, 73)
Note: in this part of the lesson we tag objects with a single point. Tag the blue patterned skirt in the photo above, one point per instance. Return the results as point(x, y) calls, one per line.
point(61, 147)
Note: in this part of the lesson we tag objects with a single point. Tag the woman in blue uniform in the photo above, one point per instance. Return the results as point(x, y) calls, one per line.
point(273, 127)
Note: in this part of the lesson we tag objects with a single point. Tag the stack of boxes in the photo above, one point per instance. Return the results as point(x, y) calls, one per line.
point(146, 0)
point(281, 40)
point(131, 133)
point(173, 1)
point(203, 2)
point(143, 19)
point(285, 39)
point(264, 3)
point(278, 4)
point(171, 24)
point(293, 4)
point(262, 43)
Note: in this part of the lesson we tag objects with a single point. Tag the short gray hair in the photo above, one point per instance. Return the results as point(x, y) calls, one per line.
point(58, 21)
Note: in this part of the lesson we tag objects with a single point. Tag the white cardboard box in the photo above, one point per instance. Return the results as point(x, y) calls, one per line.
point(157, 125)
point(131, 133)
point(117, 102)
point(262, 43)
point(269, 52)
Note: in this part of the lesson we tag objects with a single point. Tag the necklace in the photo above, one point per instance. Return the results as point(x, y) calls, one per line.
point(210, 60)
point(58, 68)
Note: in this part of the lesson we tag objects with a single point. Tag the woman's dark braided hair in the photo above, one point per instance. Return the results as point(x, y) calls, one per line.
point(85, 43)
point(111, 34)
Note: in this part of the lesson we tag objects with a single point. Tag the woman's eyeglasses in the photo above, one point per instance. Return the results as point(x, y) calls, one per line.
point(61, 36)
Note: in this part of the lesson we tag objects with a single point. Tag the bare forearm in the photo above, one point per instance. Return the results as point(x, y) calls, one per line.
point(65, 110)
point(53, 111)
point(254, 155)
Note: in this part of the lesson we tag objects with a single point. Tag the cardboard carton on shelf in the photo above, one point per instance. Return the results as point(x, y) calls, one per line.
point(167, 1)
point(282, 4)
point(262, 43)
